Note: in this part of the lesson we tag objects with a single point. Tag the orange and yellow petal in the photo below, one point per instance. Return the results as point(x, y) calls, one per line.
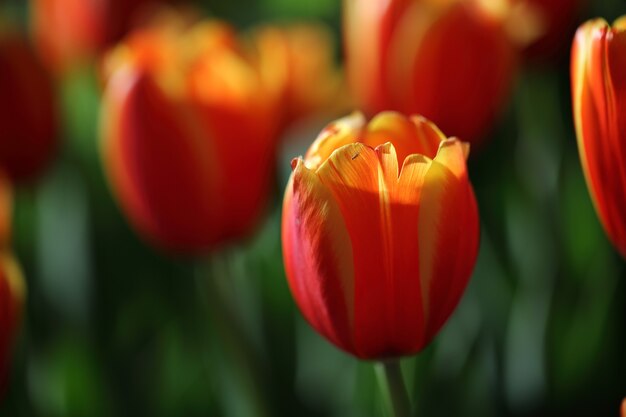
point(6, 209)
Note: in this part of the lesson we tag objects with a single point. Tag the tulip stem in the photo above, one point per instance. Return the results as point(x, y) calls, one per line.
point(396, 388)
point(229, 329)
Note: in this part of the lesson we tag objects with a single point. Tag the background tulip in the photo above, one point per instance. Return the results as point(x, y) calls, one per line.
point(598, 73)
point(11, 300)
point(28, 120)
point(380, 233)
point(297, 61)
point(68, 32)
point(556, 21)
point(449, 61)
point(189, 136)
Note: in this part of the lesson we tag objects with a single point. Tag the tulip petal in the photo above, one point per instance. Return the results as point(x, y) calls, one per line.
point(381, 215)
point(596, 67)
point(338, 133)
point(448, 234)
point(162, 172)
point(318, 256)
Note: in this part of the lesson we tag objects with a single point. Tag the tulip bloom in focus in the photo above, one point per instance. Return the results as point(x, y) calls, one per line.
point(11, 300)
point(189, 135)
point(598, 72)
point(451, 61)
point(28, 125)
point(380, 233)
point(70, 31)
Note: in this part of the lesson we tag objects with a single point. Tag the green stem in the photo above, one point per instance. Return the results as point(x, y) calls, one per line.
point(396, 388)
point(233, 336)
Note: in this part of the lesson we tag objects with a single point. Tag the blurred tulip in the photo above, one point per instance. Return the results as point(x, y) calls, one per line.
point(598, 75)
point(297, 62)
point(378, 257)
point(6, 208)
point(624, 408)
point(12, 291)
point(449, 60)
point(28, 119)
point(189, 136)
point(68, 32)
point(557, 21)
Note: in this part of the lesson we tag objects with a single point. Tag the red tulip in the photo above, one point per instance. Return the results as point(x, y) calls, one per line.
point(556, 20)
point(28, 125)
point(189, 137)
point(11, 299)
point(6, 208)
point(448, 60)
point(598, 72)
point(68, 32)
point(380, 233)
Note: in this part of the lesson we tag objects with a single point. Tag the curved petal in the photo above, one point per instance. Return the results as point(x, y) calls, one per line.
point(338, 133)
point(318, 257)
point(448, 234)
point(598, 104)
point(164, 173)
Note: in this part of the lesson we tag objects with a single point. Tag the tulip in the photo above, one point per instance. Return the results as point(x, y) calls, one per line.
point(451, 61)
point(5, 211)
point(188, 136)
point(624, 408)
point(378, 257)
point(12, 291)
point(69, 32)
point(598, 70)
point(297, 62)
point(556, 20)
point(28, 124)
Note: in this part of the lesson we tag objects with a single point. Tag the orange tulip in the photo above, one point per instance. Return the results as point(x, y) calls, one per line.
point(6, 208)
point(68, 32)
point(12, 292)
point(624, 408)
point(28, 125)
point(297, 62)
point(598, 72)
point(449, 60)
point(188, 136)
point(380, 233)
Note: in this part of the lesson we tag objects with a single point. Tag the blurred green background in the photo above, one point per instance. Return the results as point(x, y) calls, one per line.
point(114, 328)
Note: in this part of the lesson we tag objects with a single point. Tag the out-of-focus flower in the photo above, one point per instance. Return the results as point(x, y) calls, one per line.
point(69, 32)
point(28, 119)
point(12, 292)
point(6, 209)
point(556, 21)
point(297, 63)
point(624, 408)
point(598, 75)
point(451, 60)
point(189, 135)
point(380, 233)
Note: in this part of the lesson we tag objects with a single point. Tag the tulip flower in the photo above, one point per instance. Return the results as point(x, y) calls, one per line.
point(380, 233)
point(12, 292)
point(556, 20)
point(297, 62)
point(188, 136)
point(451, 61)
point(624, 408)
point(598, 70)
point(68, 32)
point(28, 121)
